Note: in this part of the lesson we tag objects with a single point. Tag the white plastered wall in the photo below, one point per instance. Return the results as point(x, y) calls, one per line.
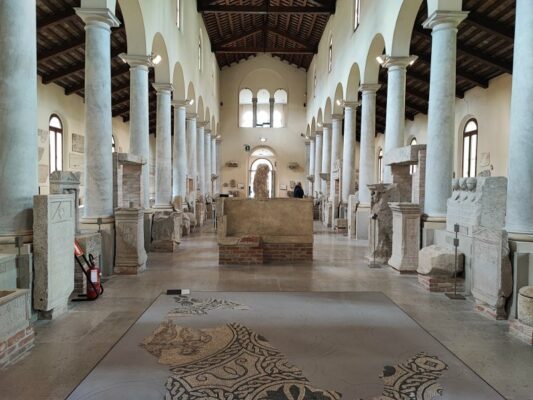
point(255, 73)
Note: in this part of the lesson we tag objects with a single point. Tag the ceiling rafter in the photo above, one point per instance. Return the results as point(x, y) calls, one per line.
point(264, 9)
point(55, 19)
point(460, 73)
point(491, 26)
point(261, 49)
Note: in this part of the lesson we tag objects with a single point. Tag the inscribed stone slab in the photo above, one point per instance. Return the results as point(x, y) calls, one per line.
point(78, 143)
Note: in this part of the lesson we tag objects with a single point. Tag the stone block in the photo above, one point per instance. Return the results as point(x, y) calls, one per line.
point(405, 236)
point(492, 279)
point(130, 252)
point(91, 243)
point(441, 284)
point(436, 260)
point(166, 231)
point(63, 182)
point(53, 241)
point(8, 271)
point(380, 228)
point(128, 188)
point(353, 203)
point(525, 305)
point(521, 331)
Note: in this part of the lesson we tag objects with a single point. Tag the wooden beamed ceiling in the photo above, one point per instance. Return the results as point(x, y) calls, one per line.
point(291, 30)
point(288, 29)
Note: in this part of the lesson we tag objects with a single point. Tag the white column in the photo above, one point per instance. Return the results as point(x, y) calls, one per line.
point(139, 119)
point(441, 113)
point(348, 153)
point(318, 163)
point(395, 123)
point(200, 160)
point(179, 153)
point(18, 116)
point(368, 139)
point(214, 163)
point(207, 150)
point(326, 156)
point(98, 117)
point(519, 219)
point(163, 147)
point(191, 150)
point(311, 170)
point(336, 153)
point(218, 165)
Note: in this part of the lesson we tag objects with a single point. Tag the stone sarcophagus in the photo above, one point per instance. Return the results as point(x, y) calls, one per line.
point(253, 231)
point(53, 241)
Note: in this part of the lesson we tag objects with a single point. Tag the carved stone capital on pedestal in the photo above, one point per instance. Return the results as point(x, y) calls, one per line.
point(207, 132)
point(327, 125)
point(392, 63)
point(202, 124)
point(137, 61)
point(442, 19)
point(351, 104)
point(369, 88)
point(98, 16)
point(191, 116)
point(318, 133)
point(163, 87)
point(338, 117)
point(218, 140)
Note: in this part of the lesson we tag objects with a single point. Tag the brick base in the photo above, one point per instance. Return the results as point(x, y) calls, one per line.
point(521, 331)
point(440, 284)
point(251, 250)
point(16, 347)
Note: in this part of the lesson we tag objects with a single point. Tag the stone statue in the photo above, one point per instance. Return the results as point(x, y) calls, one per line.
point(261, 182)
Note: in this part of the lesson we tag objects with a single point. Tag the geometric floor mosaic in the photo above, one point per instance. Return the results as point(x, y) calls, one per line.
point(286, 346)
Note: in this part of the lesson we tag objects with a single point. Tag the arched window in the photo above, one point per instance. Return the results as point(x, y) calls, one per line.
point(263, 108)
point(200, 60)
point(330, 54)
point(412, 168)
point(55, 130)
point(470, 149)
point(380, 165)
point(178, 14)
point(246, 109)
point(253, 169)
point(280, 108)
point(356, 13)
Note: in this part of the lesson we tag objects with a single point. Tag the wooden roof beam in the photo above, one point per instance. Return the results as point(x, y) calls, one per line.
point(292, 38)
point(491, 26)
point(472, 53)
point(460, 73)
point(237, 37)
point(264, 10)
point(114, 73)
point(55, 19)
point(273, 50)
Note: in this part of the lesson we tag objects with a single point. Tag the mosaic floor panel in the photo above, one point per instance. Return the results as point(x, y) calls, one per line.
point(279, 346)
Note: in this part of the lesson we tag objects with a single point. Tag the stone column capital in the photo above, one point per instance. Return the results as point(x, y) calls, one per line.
point(163, 88)
point(254, 100)
point(272, 100)
point(442, 19)
point(318, 133)
point(326, 125)
point(98, 16)
point(369, 88)
point(394, 63)
point(137, 61)
point(337, 117)
point(218, 140)
point(180, 103)
point(207, 132)
point(191, 115)
point(202, 124)
point(351, 104)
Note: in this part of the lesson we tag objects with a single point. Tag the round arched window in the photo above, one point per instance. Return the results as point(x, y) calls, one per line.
point(470, 134)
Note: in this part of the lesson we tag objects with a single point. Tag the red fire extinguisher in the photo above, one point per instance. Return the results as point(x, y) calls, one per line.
point(92, 273)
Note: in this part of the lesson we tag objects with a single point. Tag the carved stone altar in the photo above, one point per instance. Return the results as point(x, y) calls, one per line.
point(166, 231)
point(130, 252)
point(405, 236)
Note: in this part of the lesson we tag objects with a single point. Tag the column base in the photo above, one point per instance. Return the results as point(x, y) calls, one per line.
point(521, 331)
point(9, 240)
point(362, 220)
point(107, 230)
point(431, 224)
point(162, 207)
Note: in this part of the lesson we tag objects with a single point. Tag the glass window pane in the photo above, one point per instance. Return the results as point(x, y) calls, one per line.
point(59, 152)
point(473, 155)
point(466, 155)
point(471, 126)
point(280, 96)
point(245, 96)
point(52, 151)
point(56, 123)
point(263, 96)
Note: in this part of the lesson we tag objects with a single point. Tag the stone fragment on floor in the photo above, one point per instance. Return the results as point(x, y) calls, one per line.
point(166, 231)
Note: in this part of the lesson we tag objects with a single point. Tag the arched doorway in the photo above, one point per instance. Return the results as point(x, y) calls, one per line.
point(262, 156)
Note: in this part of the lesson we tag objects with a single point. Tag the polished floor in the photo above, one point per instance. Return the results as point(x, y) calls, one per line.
point(68, 348)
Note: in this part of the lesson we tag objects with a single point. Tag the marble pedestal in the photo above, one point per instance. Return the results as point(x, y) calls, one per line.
point(405, 236)
point(148, 217)
point(522, 261)
point(130, 253)
point(166, 231)
point(362, 219)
